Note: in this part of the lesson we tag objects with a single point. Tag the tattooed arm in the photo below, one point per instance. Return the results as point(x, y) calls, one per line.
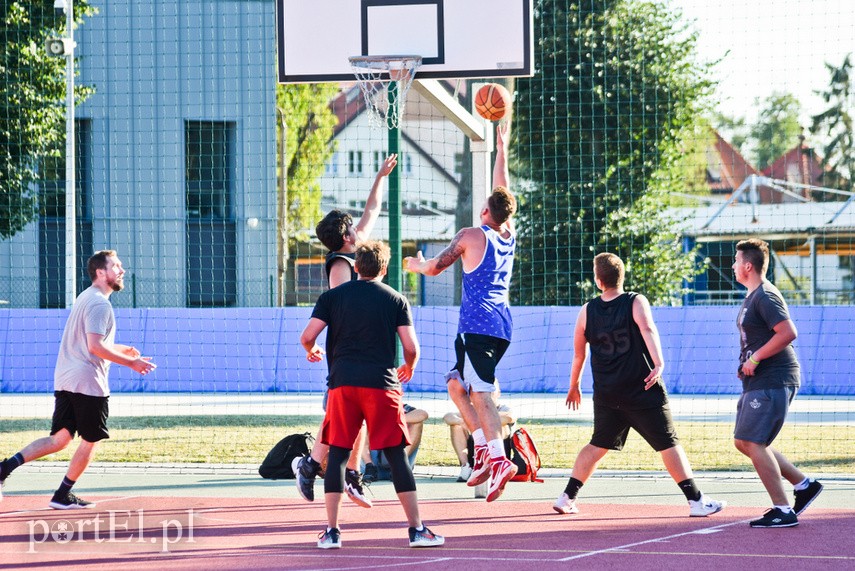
point(441, 261)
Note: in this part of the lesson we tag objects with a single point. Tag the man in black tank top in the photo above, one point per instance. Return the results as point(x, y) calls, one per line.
point(627, 365)
point(340, 235)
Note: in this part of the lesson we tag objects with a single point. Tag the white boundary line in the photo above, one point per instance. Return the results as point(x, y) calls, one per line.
point(655, 540)
point(80, 511)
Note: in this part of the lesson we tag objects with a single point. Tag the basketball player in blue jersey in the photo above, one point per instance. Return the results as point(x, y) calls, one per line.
point(484, 328)
point(340, 235)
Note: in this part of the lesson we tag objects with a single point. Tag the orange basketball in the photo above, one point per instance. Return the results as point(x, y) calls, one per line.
point(492, 101)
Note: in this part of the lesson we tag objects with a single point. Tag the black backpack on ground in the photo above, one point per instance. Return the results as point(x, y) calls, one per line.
point(277, 464)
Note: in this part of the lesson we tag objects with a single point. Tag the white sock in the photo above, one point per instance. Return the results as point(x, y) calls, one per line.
point(803, 485)
point(785, 509)
point(478, 438)
point(497, 449)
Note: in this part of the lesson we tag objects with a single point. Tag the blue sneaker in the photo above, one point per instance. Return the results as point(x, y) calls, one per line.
point(329, 539)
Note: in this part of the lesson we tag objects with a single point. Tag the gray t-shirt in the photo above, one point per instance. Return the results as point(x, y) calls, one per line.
point(762, 310)
point(78, 370)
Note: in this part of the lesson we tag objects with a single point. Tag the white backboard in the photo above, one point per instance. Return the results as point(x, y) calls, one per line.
point(456, 38)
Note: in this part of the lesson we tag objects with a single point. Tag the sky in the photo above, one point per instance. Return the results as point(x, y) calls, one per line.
point(772, 45)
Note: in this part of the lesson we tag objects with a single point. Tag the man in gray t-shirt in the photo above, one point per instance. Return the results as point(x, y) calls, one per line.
point(769, 372)
point(81, 389)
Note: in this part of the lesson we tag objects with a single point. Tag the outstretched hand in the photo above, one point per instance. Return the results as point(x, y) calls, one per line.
point(503, 133)
point(388, 165)
point(414, 264)
point(143, 365)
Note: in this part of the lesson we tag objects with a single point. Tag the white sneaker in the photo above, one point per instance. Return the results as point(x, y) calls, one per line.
point(481, 469)
point(564, 505)
point(501, 472)
point(465, 472)
point(705, 506)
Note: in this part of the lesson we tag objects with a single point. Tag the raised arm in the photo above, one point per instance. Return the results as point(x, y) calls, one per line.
point(501, 176)
point(580, 355)
point(643, 317)
point(374, 203)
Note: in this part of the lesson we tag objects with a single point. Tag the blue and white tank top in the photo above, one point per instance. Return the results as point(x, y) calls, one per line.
point(485, 306)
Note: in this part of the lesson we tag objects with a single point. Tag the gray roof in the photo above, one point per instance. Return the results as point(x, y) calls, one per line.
point(786, 220)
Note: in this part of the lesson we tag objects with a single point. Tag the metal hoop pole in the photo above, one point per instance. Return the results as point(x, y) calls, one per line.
point(394, 142)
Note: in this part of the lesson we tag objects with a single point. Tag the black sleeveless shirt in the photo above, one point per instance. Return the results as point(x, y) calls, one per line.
point(349, 258)
point(619, 357)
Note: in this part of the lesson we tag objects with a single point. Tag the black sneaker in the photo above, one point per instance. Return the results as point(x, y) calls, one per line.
point(425, 538)
point(329, 539)
point(371, 474)
point(306, 474)
point(69, 502)
point(805, 497)
point(353, 487)
point(774, 517)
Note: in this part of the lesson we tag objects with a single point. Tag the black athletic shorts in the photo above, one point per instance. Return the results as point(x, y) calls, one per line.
point(484, 353)
point(86, 415)
point(655, 425)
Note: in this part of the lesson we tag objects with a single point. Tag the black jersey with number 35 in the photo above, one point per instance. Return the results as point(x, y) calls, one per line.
point(620, 360)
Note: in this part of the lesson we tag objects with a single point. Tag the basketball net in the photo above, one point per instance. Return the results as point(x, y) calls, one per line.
point(374, 75)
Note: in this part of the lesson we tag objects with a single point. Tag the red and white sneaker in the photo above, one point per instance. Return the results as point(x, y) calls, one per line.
point(481, 469)
point(501, 472)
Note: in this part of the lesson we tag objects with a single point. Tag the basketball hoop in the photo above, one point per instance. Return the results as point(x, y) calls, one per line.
point(374, 75)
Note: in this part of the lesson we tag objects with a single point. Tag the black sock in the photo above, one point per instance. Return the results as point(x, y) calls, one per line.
point(64, 488)
point(10, 464)
point(572, 489)
point(690, 490)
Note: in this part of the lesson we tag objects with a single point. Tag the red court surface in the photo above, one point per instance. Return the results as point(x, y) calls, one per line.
point(136, 532)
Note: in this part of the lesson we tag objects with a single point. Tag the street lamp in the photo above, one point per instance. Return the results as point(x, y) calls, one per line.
point(64, 47)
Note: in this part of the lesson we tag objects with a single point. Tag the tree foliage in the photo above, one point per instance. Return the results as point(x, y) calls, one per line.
point(777, 129)
point(836, 124)
point(603, 134)
point(32, 111)
point(309, 144)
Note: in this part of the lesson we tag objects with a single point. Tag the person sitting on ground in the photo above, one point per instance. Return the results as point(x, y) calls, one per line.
point(376, 464)
point(461, 438)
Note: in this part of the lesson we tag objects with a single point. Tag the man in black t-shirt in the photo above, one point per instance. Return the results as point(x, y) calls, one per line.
point(627, 364)
point(363, 319)
point(770, 374)
point(340, 235)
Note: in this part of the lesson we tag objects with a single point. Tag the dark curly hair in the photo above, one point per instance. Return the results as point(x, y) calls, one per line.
point(332, 229)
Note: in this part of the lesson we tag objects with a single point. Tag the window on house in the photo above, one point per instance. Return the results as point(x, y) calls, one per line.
point(354, 162)
point(331, 168)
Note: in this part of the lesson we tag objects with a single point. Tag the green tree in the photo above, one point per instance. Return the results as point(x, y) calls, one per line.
point(835, 124)
point(309, 144)
point(32, 114)
point(600, 132)
point(777, 129)
point(732, 129)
